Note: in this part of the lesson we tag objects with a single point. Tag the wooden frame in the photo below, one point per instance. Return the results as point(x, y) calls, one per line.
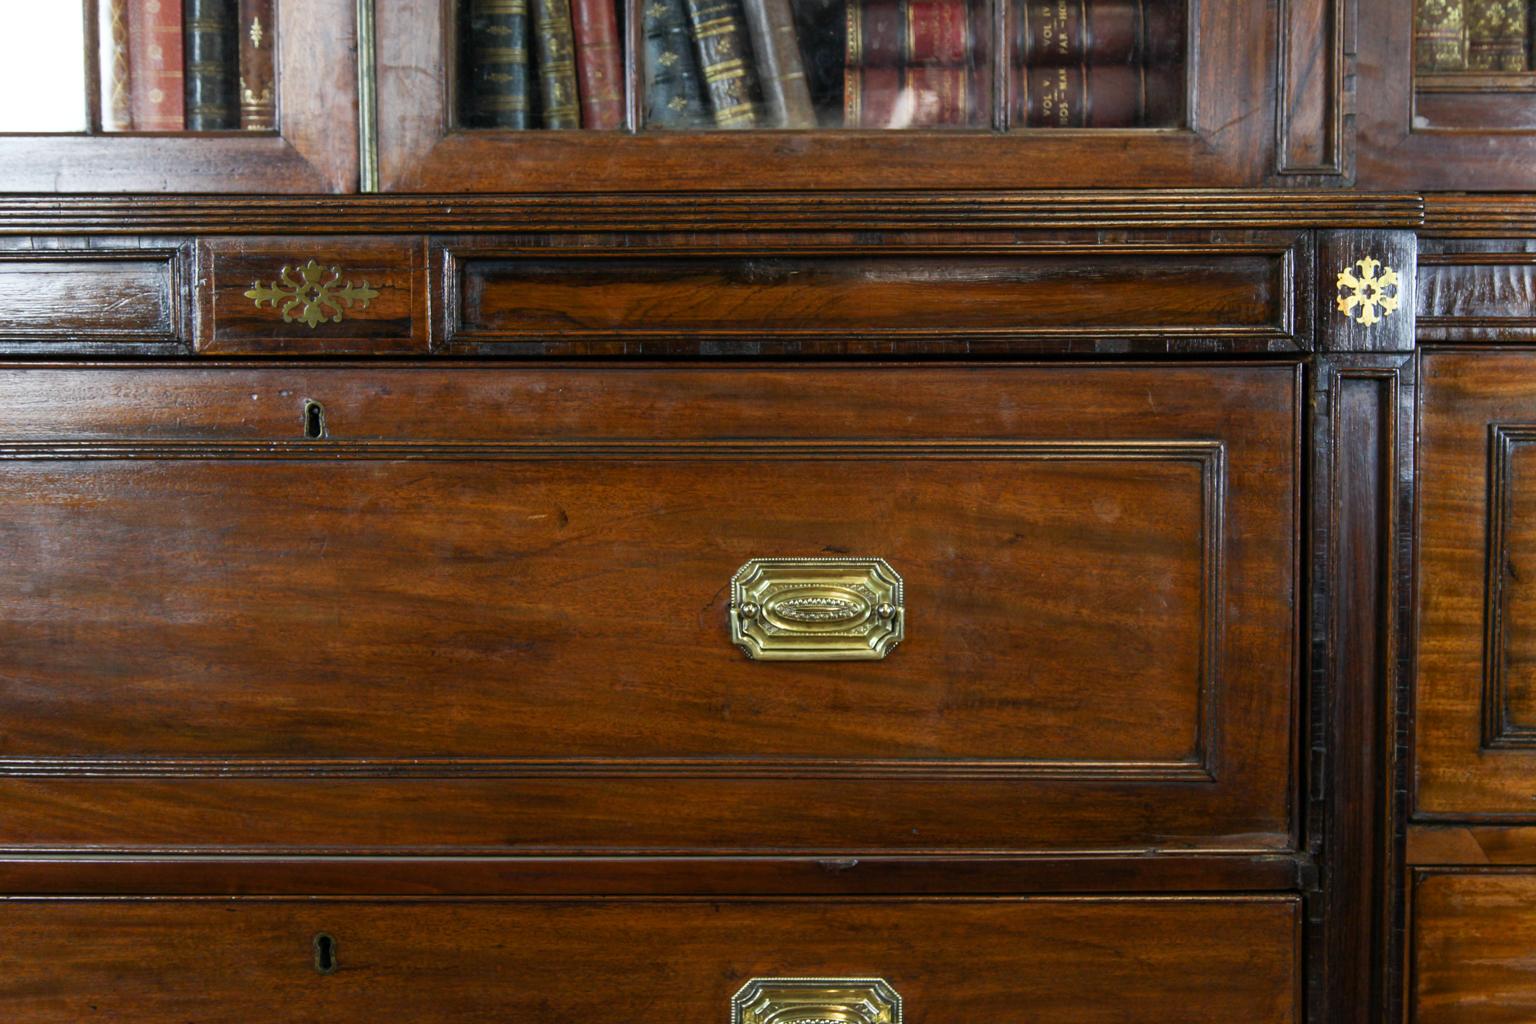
point(1230, 138)
point(315, 149)
point(1432, 132)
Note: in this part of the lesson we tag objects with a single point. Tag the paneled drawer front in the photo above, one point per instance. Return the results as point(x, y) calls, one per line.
point(92, 297)
point(1474, 948)
point(491, 608)
point(1476, 694)
point(584, 302)
point(1047, 961)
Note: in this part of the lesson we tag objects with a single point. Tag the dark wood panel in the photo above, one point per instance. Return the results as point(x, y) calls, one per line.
point(61, 295)
point(1474, 948)
point(1472, 759)
point(1195, 291)
point(1312, 69)
point(309, 295)
point(1478, 295)
point(1081, 961)
point(535, 563)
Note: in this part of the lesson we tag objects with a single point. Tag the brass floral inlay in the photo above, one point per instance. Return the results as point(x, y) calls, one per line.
point(1375, 288)
point(312, 294)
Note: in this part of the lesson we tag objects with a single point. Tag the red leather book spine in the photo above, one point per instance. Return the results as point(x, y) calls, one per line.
point(1084, 96)
point(156, 99)
point(1058, 32)
point(599, 66)
point(894, 33)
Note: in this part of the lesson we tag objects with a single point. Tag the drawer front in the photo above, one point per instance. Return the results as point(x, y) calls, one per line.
point(303, 607)
point(1475, 727)
point(1474, 948)
point(646, 962)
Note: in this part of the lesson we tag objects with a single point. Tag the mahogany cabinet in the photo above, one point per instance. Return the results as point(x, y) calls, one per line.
point(970, 572)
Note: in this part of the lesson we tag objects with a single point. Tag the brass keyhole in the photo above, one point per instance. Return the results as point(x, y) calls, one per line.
point(325, 954)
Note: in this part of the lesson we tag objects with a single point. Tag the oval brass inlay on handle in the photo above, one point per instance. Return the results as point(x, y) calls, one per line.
point(816, 1001)
point(817, 609)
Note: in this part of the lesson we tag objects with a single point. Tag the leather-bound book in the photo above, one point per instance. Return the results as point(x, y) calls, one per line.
point(116, 98)
point(1082, 96)
point(1056, 32)
point(725, 59)
point(1497, 34)
point(494, 51)
point(212, 64)
point(258, 66)
point(556, 52)
point(155, 82)
point(897, 33)
point(674, 89)
point(781, 69)
point(920, 96)
point(599, 63)
point(1440, 35)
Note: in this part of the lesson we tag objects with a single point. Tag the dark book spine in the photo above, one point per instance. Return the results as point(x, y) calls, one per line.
point(555, 46)
point(599, 63)
point(155, 80)
point(258, 67)
point(674, 94)
point(1057, 32)
point(1440, 35)
point(495, 55)
point(1084, 96)
point(1496, 34)
point(212, 65)
point(725, 59)
point(781, 69)
point(116, 97)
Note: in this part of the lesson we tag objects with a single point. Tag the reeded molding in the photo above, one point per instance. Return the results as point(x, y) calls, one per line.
point(1494, 215)
point(1198, 209)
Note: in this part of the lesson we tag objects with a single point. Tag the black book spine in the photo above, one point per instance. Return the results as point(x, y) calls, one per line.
point(495, 53)
point(674, 94)
point(213, 64)
point(725, 57)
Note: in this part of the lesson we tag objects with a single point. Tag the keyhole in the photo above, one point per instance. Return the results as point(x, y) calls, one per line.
point(314, 419)
point(325, 954)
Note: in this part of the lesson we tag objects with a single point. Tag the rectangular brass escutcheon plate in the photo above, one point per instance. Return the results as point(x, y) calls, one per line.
point(817, 609)
point(818, 1000)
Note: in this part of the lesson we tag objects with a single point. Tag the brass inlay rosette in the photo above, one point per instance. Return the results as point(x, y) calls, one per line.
point(312, 294)
point(1369, 292)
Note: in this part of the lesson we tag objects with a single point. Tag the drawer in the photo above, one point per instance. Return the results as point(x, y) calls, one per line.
point(394, 609)
point(1475, 701)
point(649, 962)
point(96, 299)
point(1474, 947)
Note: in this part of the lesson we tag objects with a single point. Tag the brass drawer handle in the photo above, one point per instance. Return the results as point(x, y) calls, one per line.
point(816, 1001)
point(817, 609)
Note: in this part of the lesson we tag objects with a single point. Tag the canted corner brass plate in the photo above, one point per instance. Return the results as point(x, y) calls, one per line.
point(816, 1001)
point(817, 609)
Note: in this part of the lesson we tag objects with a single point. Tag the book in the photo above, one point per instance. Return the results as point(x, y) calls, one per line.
point(896, 33)
point(494, 48)
point(917, 96)
point(1087, 95)
point(212, 63)
point(1056, 32)
point(258, 67)
point(116, 96)
point(155, 80)
point(725, 60)
point(1440, 35)
point(781, 68)
point(674, 91)
point(599, 63)
point(554, 46)
point(1496, 34)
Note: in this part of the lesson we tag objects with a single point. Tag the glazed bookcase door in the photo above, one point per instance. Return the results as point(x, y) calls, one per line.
point(889, 94)
point(130, 124)
point(1447, 95)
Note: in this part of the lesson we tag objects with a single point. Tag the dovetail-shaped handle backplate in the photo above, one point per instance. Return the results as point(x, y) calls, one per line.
point(816, 1001)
